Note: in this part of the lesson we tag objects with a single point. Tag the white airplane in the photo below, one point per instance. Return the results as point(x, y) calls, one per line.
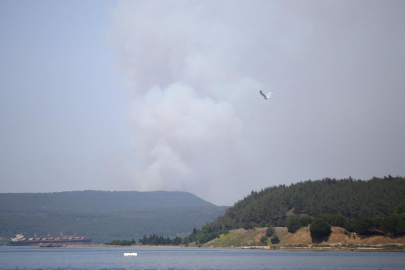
point(266, 96)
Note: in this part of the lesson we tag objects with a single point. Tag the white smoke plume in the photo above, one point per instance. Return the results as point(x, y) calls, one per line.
point(187, 94)
point(195, 68)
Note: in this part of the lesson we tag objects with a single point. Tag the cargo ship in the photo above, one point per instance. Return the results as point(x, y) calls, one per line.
point(20, 240)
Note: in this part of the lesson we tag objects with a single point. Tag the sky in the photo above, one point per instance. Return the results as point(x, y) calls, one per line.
point(164, 95)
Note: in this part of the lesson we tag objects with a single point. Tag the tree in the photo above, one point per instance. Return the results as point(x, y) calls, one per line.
point(144, 240)
point(274, 240)
point(363, 225)
point(400, 209)
point(335, 220)
point(176, 241)
point(185, 241)
point(263, 240)
point(378, 223)
point(320, 229)
point(270, 231)
point(293, 224)
point(394, 225)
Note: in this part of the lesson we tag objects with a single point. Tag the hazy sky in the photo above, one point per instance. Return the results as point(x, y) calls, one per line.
point(164, 95)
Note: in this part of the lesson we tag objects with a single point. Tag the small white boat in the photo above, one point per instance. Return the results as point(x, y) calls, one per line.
point(130, 254)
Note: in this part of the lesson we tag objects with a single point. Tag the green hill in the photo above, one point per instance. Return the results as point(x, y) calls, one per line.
point(104, 215)
point(377, 197)
point(351, 198)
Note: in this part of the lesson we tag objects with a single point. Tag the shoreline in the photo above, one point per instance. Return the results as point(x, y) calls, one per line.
point(269, 248)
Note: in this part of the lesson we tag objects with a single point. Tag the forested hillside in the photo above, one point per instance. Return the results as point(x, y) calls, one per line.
point(377, 197)
point(104, 215)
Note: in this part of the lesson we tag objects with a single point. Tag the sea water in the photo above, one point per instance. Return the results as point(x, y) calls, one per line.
point(29, 258)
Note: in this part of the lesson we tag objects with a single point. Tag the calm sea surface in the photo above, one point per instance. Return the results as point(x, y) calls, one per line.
point(192, 258)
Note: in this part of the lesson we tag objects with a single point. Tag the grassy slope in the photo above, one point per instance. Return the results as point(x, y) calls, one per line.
point(240, 238)
point(338, 237)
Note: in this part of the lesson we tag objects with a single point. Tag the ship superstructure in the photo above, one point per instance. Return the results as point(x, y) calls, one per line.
point(20, 240)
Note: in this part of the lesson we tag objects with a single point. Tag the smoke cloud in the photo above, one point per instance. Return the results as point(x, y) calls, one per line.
point(194, 70)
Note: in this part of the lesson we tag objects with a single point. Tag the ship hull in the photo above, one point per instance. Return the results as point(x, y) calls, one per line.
point(57, 242)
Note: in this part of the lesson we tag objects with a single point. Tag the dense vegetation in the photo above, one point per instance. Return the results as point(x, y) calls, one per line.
point(104, 215)
point(320, 229)
point(122, 242)
point(274, 240)
point(159, 240)
point(393, 225)
point(347, 199)
point(376, 206)
point(206, 234)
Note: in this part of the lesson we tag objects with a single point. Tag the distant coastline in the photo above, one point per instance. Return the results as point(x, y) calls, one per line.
point(381, 248)
point(301, 240)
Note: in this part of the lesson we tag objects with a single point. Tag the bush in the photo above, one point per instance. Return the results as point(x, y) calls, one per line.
point(400, 209)
point(378, 223)
point(335, 220)
point(270, 231)
point(263, 239)
point(274, 240)
point(293, 224)
point(393, 225)
point(121, 243)
point(281, 223)
point(363, 225)
point(320, 229)
point(305, 220)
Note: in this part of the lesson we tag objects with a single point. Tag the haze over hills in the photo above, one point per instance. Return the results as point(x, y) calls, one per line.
point(104, 215)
